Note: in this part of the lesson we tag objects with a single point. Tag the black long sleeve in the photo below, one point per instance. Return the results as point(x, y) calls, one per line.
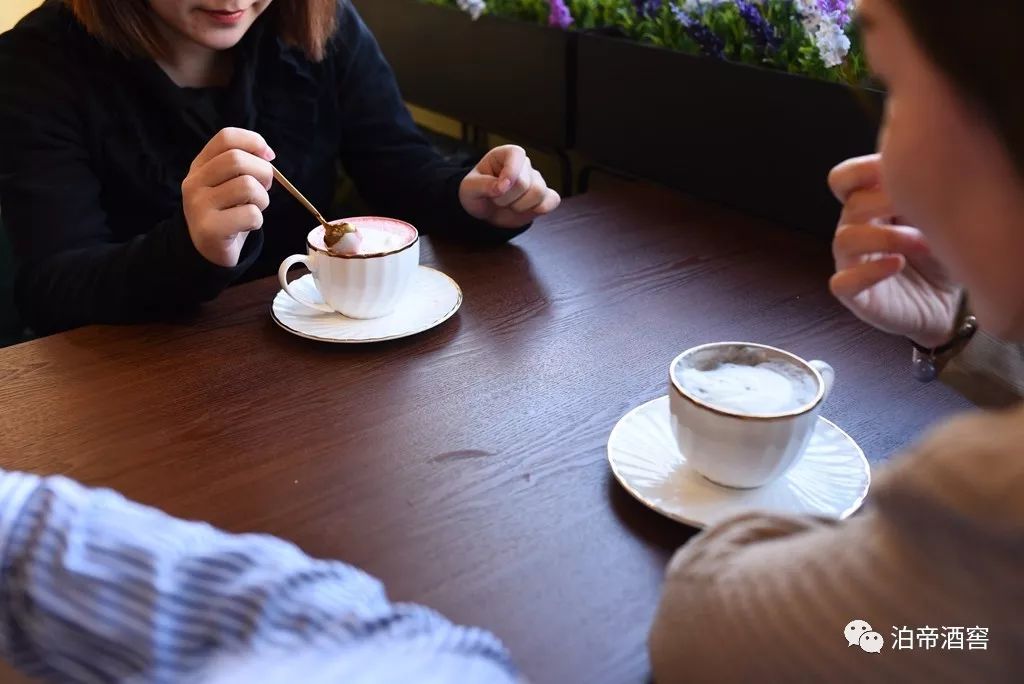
point(94, 146)
point(72, 268)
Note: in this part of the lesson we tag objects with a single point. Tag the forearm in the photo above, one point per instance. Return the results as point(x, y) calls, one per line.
point(735, 609)
point(769, 598)
point(95, 583)
point(152, 274)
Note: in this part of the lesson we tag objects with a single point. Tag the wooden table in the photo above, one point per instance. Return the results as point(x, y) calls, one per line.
point(465, 467)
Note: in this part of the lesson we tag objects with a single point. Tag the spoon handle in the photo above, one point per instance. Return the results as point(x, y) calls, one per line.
point(279, 177)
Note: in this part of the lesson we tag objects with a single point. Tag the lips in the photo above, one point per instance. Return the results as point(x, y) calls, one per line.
point(224, 16)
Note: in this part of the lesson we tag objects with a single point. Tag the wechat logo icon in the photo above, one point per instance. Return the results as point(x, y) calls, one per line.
point(859, 633)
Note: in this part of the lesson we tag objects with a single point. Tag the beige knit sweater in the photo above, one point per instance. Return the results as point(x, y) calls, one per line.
point(940, 544)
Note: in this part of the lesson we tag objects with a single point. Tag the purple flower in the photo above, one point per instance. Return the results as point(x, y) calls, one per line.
point(560, 15)
point(647, 8)
point(710, 44)
point(762, 32)
point(837, 9)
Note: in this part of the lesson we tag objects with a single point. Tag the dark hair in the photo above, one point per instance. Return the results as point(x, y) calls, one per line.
point(977, 46)
point(128, 25)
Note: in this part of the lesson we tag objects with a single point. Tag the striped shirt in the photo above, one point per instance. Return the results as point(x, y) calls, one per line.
point(99, 589)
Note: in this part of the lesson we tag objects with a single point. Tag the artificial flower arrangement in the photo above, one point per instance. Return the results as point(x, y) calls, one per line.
point(815, 38)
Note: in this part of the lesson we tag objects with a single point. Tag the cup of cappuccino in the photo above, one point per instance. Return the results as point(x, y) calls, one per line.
point(367, 284)
point(744, 413)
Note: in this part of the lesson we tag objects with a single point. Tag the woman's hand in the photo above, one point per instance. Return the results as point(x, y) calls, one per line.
point(226, 192)
point(885, 272)
point(505, 190)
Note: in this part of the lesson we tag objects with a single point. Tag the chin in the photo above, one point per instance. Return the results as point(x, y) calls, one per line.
point(220, 41)
point(209, 33)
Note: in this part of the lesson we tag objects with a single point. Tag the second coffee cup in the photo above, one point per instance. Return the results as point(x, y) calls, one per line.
point(743, 413)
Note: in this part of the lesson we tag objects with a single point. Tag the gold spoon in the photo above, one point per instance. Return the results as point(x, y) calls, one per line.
point(332, 233)
point(279, 177)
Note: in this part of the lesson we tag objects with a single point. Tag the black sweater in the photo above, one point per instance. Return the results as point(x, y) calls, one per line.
point(94, 146)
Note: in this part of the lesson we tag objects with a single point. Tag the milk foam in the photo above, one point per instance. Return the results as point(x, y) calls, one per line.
point(762, 388)
point(375, 241)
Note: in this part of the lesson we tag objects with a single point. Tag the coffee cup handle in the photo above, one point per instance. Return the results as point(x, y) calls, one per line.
point(828, 374)
point(282, 275)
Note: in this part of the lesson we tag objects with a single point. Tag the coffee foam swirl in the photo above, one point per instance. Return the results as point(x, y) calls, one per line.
point(762, 387)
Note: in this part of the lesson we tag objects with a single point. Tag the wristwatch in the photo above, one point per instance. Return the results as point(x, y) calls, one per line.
point(927, 363)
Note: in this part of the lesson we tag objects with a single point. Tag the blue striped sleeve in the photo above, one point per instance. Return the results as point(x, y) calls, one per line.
point(99, 589)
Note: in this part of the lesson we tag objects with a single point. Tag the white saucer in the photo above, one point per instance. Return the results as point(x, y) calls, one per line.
point(433, 298)
point(830, 480)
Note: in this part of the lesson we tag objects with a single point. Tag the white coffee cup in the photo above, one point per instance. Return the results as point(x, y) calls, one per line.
point(745, 448)
point(362, 285)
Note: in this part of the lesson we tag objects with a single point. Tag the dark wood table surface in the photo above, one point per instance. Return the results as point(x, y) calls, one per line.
point(466, 467)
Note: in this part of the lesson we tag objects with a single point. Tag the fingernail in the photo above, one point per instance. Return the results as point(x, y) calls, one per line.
point(503, 186)
point(269, 155)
